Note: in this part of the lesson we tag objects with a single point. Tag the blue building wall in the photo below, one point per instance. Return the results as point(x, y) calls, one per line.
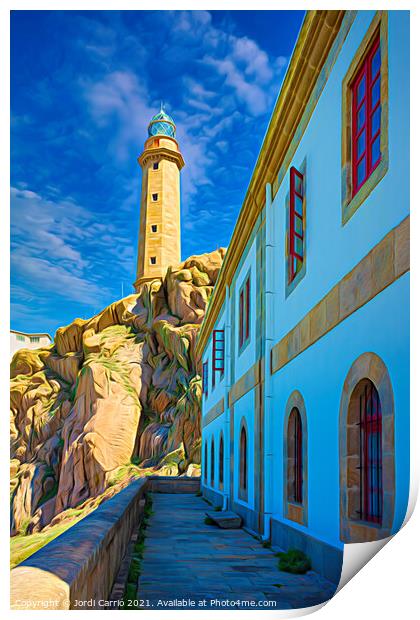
point(319, 374)
point(381, 326)
point(333, 249)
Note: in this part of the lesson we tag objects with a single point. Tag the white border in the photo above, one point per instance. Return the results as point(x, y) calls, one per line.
point(388, 584)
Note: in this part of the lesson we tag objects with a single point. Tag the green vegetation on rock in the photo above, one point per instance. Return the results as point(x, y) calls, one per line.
point(114, 397)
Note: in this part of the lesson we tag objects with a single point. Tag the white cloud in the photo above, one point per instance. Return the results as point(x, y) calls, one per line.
point(54, 246)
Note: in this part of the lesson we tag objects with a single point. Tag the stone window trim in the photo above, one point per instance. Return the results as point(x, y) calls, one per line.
point(349, 202)
point(367, 366)
point(243, 474)
point(291, 285)
point(291, 510)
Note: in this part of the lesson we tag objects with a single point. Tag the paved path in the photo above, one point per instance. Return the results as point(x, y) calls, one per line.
point(186, 559)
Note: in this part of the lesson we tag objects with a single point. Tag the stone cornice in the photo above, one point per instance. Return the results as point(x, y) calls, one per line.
point(159, 152)
point(318, 33)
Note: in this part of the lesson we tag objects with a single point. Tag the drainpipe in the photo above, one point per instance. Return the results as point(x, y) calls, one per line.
point(268, 343)
point(227, 438)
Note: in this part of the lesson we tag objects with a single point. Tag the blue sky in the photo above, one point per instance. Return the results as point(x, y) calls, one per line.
point(84, 85)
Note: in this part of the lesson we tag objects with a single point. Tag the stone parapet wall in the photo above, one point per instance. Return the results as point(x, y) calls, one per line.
point(82, 563)
point(172, 484)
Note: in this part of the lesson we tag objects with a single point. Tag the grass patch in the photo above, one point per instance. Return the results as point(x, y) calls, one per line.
point(23, 546)
point(199, 494)
point(294, 561)
point(209, 521)
point(218, 509)
point(266, 544)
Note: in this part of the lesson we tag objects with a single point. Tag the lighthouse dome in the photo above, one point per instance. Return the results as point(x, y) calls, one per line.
point(162, 125)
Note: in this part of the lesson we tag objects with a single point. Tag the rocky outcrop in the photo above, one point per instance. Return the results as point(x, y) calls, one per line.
point(119, 391)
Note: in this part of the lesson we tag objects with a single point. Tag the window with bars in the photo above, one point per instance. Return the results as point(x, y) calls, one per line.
point(244, 313)
point(221, 460)
point(366, 116)
point(370, 454)
point(295, 457)
point(206, 379)
point(296, 223)
point(243, 465)
point(218, 354)
point(20, 338)
point(155, 165)
point(34, 338)
point(212, 463)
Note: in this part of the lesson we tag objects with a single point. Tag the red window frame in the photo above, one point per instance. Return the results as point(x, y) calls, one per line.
point(295, 258)
point(218, 353)
point(370, 429)
point(364, 156)
point(247, 289)
point(241, 318)
point(205, 379)
point(244, 312)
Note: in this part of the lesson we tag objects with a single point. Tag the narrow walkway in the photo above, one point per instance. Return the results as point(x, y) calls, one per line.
point(187, 560)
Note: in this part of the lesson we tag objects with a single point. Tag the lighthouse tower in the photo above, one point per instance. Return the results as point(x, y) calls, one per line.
point(160, 220)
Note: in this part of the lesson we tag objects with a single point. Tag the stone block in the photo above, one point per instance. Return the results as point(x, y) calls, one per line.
point(304, 333)
point(279, 355)
point(332, 307)
point(225, 519)
point(356, 287)
point(293, 343)
point(402, 247)
point(383, 264)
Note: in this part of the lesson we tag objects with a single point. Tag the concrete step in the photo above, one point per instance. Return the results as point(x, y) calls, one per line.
point(225, 519)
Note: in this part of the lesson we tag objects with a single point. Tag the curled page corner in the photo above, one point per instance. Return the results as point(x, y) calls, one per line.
point(356, 556)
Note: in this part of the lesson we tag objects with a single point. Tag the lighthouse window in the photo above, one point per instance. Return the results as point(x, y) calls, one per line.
point(153, 260)
point(154, 227)
point(155, 165)
point(155, 197)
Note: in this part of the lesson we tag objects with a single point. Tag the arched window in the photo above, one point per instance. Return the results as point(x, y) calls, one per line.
point(212, 463)
point(294, 458)
point(205, 462)
point(243, 465)
point(367, 451)
point(221, 460)
point(364, 450)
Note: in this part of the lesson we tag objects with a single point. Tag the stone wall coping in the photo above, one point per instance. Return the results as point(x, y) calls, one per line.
point(57, 570)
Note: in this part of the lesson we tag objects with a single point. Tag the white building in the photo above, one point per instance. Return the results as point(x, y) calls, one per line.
point(21, 340)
